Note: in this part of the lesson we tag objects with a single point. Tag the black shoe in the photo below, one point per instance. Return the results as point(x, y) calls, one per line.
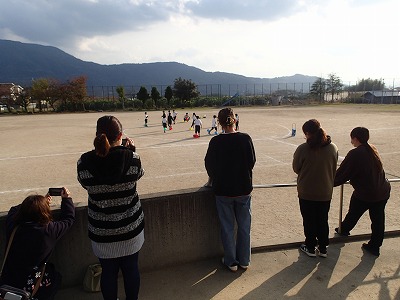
point(370, 249)
point(342, 233)
point(309, 252)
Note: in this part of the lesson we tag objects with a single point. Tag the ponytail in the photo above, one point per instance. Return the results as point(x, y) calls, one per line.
point(108, 130)
point(101, 145)
point(375, 155)
point(226, 117)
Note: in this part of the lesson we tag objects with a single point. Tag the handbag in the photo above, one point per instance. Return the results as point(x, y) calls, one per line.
point(91, 281)
point(8, 292)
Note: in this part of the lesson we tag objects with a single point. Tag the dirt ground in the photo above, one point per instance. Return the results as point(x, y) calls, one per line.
point(41, 151)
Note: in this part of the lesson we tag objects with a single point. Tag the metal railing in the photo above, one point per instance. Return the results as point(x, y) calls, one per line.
point(284, 185)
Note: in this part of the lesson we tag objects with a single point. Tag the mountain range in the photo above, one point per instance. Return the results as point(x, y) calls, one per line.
point(20, 63)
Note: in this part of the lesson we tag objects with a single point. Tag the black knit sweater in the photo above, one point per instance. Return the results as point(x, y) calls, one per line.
point(114, 210)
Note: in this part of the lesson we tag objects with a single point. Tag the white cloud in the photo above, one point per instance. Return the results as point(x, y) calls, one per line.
point(260, 38)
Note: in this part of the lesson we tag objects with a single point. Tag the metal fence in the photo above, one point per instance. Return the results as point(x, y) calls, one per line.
point(287, 90)
point(340, 217)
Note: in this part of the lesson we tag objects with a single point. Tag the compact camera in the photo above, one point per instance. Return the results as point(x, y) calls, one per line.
point(55, 191)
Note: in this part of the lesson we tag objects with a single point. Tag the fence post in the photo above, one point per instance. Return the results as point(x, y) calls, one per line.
point(341, 208)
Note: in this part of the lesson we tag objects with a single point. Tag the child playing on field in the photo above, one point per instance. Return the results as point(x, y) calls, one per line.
point(164, 122)
point(186, 117)
point(237, 122)
point(197, 125)
point(146, 116)
point(174, 114)
point(193, 120)
point(169, 120)
point(213, 125)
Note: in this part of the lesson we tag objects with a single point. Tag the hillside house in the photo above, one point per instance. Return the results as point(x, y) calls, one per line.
point(9, 91)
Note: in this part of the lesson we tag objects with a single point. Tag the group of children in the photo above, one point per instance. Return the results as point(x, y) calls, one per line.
point(197, 124)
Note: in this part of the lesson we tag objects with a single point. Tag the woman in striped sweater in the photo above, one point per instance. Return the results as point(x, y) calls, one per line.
point(116, 222)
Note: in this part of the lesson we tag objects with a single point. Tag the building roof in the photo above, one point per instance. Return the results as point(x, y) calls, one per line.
point(383, 93)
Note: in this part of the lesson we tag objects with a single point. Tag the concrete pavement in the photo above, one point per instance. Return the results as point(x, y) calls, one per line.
point(347, 273)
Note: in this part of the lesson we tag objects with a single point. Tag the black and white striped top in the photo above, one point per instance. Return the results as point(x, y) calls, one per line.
point(114, 210)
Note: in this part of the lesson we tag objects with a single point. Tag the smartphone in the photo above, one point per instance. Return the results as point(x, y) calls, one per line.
point(55, 191)
point(124, 142)
point(12, 296)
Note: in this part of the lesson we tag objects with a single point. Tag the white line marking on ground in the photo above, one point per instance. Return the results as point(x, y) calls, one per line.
point(40, 156)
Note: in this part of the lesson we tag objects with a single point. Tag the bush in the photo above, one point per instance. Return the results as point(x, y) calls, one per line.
point(149, 103)
point(137, 104)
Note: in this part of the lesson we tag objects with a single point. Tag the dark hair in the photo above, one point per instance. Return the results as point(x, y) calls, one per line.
point(362, 135)
point(35, 208)
point(317, 136)
point(226, 117)
point(108, 130)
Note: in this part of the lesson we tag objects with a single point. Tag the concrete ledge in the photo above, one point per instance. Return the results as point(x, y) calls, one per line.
point(180, 227)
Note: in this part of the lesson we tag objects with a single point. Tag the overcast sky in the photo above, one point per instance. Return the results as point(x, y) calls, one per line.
point(354, 39)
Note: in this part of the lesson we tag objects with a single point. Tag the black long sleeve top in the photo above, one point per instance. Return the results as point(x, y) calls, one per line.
point(229, 162)
point(369, 183)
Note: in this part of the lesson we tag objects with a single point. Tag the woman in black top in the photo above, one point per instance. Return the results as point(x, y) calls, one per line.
point(229, 162)
point(363, 167)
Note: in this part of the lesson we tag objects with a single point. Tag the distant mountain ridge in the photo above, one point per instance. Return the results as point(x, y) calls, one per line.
point(22, 62)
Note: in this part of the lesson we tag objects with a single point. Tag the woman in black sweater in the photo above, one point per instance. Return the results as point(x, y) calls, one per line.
point(363, 167)
point(229, 163)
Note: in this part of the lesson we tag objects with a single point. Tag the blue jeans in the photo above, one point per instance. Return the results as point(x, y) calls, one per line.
point(109, 276)
point(231, 209)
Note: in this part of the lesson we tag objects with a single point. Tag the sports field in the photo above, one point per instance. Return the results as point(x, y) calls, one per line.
point(40, 151)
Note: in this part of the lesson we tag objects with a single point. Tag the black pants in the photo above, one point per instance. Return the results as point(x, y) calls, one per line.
point(315, 223)
point(376, 214)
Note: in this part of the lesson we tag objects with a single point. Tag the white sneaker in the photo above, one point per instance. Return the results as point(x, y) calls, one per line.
point(232, 268)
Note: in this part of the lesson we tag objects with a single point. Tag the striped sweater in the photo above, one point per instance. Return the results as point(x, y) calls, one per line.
point(114, 210)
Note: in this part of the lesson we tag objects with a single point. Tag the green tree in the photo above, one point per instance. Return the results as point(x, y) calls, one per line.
point(368, 85)
point(155, 95)
point(40, 91)
point(185, 89)
point(53, 93)
point(334, 84)
point(77, 92)
point(318, 89)
point(121, 95)
point(143, 94)
point(168, 94)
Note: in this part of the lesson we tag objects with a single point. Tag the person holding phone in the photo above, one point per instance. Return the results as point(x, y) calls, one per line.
point(36, 235)
point(110, 173)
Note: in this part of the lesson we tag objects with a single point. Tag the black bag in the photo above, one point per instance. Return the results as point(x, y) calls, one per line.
point(11, 293)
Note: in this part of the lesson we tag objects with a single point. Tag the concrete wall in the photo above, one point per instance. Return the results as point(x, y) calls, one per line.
point(180, 227)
